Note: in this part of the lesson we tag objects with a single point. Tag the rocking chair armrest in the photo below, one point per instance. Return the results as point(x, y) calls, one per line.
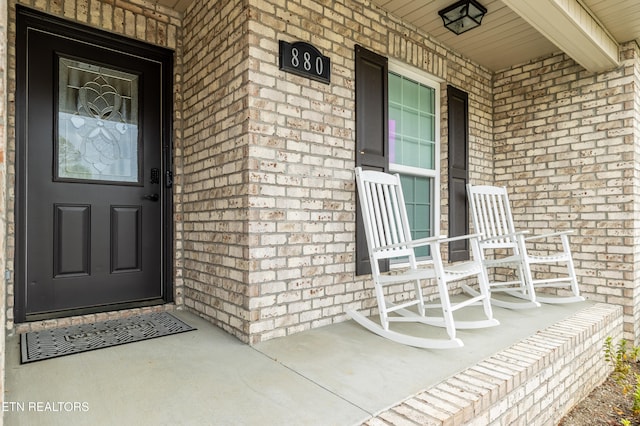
point(413, 243)
point(501, 236)
point(460, 237)
point(425, 241)
point(551, 234)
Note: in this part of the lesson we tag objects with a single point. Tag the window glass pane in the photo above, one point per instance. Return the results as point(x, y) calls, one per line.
point(418, 195)
point(411, 147)
point(395, 88)
point(412, 123)
point(427, 128)
point(427, 137)
point(427, 101)
point(410, 94)
point(97, 123)
point(412, 139)
point(395, 148)
point(421, 221)
point(417, 191)
point(408, 189)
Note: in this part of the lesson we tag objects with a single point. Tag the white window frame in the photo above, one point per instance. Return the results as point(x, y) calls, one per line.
point(426, 79)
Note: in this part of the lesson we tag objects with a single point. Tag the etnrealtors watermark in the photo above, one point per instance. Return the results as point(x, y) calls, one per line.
point(45, 406)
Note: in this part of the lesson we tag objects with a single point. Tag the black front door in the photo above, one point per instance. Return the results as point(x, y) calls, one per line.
point(92, 157)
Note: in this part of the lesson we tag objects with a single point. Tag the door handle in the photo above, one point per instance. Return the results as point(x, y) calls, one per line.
point(152, 197)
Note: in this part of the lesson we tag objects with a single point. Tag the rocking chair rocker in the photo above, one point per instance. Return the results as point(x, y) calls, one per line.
point(388, 237)
point(492, 218)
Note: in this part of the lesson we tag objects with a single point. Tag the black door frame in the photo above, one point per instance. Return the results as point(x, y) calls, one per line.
point(30, 19)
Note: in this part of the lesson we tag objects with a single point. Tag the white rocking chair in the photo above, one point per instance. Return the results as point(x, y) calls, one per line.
point(492, 218)
point(388, 237)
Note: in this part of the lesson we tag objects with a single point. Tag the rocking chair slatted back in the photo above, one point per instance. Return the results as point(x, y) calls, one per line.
point(385, 218)
point(492, 216)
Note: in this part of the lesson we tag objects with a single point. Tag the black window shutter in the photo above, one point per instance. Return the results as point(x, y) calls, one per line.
point(458, 105)
point(372, 132)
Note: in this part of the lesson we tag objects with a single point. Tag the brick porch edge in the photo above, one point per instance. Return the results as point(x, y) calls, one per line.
point(534, 382)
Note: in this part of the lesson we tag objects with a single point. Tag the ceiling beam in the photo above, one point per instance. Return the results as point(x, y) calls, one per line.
point(572, 28)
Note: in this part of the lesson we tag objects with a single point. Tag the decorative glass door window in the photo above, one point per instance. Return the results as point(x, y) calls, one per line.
point(97, 124)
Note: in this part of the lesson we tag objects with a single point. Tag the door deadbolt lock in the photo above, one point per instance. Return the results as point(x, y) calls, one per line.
point(152, 197)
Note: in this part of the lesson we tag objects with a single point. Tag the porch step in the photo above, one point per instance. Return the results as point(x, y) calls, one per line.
point(534, 382)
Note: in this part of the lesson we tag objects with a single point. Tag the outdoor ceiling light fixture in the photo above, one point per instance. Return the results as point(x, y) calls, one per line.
point(463, 15)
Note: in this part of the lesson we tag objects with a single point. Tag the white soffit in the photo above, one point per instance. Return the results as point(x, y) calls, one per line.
point(572, 28)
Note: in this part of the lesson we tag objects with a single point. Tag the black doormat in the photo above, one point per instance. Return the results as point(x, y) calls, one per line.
point(46, 344)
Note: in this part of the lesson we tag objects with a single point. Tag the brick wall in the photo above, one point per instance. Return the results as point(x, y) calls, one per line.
point(632, 54)
point(215, 165)
point(3, 186)
point(269, 195)
point(565, 146)
point(139, 20)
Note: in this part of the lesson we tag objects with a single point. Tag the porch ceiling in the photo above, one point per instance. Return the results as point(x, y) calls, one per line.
point(516, 31)
point(179, 5)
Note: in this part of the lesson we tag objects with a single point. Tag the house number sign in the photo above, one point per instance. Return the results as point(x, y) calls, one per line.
point(305, 60)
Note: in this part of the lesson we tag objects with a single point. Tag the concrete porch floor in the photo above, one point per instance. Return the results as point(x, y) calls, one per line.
point(335, 375)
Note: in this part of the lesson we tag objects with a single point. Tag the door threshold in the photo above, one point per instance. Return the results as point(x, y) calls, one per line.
point(68, 318)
